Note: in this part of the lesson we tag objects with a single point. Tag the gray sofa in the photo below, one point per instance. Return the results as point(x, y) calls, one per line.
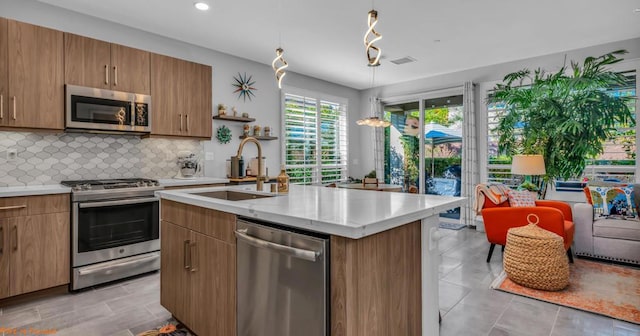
point(610, 239)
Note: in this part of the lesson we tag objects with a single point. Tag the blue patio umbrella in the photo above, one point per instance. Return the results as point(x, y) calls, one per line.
point(437, 134)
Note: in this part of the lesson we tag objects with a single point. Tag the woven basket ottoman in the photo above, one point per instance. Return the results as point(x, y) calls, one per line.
point(536, 258)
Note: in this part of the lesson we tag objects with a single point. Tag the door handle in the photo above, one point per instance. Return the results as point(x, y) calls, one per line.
point(106, 74)
point(115, 75)
point(1, 106)
point(15, 237)
point(286, 250)
point(14, 107)
point(180, 121)
point(187, 254)
point(191, 248)
point(186, 116)
point(1, 240)
point(134, 261)
point(13, 207)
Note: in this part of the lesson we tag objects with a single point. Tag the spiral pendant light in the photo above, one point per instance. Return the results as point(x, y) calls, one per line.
point(278, 65)
point(370, 37)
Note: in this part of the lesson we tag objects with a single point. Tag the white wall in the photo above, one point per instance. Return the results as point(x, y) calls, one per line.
point(265, 107)
point(485, 77)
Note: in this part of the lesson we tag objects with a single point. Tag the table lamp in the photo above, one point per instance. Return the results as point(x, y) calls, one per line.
point(528, 165)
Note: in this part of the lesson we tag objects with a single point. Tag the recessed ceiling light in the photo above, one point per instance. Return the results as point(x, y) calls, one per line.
point(203, 6)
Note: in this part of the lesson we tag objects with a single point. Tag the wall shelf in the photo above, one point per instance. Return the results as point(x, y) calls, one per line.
point(262, 137)
point(232, 118)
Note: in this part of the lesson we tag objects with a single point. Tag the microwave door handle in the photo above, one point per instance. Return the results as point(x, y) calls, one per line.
point(118, 202)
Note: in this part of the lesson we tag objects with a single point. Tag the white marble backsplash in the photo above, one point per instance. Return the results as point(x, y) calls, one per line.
point(50, 158)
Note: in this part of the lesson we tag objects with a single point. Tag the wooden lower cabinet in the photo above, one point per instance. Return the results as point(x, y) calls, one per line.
point(198, 280)
point(213, 283)
point(35, 253)
point(40, 253)
point(4, 258)
point(174, 277)
point(376, 284)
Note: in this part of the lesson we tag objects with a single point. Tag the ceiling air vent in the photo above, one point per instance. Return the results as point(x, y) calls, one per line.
point(403, 60)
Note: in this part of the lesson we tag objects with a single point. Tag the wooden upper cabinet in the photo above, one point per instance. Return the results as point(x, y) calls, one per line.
point(200, 107)
point(98, 64)
point(164, 93)
point(87, 61)
point(181, 94)
point(130, 68)
point(4, 73)
point(35, 77)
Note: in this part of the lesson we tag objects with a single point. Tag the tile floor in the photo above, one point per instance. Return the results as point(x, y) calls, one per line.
point(467, 304)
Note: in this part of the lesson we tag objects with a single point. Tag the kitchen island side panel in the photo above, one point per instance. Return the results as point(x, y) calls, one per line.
point(376, 283)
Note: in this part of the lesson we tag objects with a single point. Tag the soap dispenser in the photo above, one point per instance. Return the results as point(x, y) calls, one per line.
point(283, 181)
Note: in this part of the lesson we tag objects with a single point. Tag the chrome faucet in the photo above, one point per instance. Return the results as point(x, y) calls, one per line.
point(259, 178)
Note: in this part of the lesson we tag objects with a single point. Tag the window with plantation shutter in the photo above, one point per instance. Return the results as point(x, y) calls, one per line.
point(315, 138)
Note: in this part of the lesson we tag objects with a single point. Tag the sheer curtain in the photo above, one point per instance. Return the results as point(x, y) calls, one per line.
point(378, 154)
point(470, 165)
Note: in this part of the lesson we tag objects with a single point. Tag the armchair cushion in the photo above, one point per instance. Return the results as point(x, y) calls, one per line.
point(499, 220)
point(521, 198)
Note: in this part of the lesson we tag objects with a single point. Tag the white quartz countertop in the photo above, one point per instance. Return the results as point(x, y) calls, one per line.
point(193, 181)
point(34, 190)
point(342, 212)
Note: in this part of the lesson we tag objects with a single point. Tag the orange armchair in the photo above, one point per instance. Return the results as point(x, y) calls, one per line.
point(555, 216)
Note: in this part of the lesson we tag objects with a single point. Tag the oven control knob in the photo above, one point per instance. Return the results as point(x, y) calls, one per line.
point(77, 187)
point(86, 186)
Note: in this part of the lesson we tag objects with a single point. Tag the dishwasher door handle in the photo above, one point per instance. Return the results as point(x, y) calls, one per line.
point(287, 250)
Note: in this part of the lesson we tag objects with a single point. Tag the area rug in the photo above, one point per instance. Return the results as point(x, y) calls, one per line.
point(169, 329)
point(604, 289)
point(452, 226)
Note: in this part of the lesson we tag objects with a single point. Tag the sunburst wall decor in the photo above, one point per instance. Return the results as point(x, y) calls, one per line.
point(244, 86)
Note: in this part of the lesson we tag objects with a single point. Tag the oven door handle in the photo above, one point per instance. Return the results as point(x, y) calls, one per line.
point(118, 202)
point(127, 263)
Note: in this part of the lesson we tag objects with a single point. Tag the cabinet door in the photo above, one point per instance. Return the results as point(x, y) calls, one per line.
point(174, 277)
point(4, 258)
point(166, 120)
point(4, 73)
point(39, 252)
point(130, 68)
point(36, 76)
point(213, 286)
point(86, 61)
point(198, 90)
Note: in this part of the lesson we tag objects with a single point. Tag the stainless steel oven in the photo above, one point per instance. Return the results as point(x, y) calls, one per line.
point(99, 110)
point(115, 230)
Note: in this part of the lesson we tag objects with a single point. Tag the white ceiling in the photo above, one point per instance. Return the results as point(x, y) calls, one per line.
point(324, 38)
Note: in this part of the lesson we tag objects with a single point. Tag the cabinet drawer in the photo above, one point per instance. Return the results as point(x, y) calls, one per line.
point(216, 224)
point(33, 205)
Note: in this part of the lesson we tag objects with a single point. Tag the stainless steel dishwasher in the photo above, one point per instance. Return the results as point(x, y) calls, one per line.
point(282, 281)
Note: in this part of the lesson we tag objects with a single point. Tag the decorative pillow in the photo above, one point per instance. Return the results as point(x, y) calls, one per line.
point(521, 198)
point(609, 201)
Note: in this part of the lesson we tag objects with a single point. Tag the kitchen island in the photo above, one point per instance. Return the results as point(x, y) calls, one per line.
point(383, 254)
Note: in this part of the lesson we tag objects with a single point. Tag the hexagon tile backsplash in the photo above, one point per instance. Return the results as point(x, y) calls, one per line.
point(51, 158)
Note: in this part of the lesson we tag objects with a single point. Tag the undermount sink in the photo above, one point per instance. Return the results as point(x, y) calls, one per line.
point(232, 195)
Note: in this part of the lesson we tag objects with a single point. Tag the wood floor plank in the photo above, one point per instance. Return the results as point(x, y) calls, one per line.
point(72, 318)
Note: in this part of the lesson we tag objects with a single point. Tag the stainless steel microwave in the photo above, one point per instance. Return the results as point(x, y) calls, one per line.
point(106, 111)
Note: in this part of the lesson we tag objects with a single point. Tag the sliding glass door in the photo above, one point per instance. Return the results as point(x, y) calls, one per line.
point(423, 145)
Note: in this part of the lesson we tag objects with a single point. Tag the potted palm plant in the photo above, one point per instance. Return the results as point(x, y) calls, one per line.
point(566, 116)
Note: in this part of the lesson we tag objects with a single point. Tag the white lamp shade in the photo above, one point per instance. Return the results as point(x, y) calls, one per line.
point(528, 165)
